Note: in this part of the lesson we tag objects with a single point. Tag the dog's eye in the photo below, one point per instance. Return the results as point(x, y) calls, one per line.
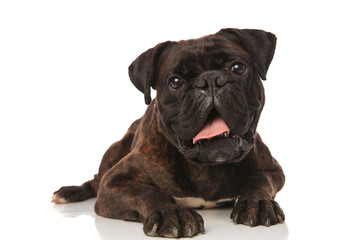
point(175, 83)
point(238, 69)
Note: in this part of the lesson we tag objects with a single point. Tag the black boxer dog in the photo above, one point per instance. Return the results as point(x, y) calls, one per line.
point(196, 145)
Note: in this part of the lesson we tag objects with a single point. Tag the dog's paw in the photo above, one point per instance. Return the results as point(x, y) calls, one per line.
point(174, 222)
point(75, 193)
point(68, 194)
point(253, 213)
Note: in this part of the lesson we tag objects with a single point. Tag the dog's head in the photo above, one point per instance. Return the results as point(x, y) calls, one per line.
point(209, 91)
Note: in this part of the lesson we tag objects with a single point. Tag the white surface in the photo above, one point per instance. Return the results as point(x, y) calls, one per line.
point(65, 97)
point(216, 220)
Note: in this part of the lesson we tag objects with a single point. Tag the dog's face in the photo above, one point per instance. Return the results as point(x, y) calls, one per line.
point(209, 91)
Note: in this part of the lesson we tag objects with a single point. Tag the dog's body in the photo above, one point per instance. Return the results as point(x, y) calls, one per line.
point(196, 145)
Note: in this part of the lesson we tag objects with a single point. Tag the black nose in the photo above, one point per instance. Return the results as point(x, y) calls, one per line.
point(211, 79)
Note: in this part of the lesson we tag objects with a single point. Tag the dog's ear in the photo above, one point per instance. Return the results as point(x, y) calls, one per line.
point(143, 70)
point(259, 44)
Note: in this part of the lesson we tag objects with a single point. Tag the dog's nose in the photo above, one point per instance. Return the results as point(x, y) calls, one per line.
point(211, 79)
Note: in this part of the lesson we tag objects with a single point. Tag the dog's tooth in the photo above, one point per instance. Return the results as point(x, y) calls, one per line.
point(226, 134)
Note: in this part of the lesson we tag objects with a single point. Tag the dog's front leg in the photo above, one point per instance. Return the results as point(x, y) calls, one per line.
point(256, 205)
point(126, 194)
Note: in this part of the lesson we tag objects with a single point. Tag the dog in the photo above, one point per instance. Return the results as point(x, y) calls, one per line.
point(196, 146)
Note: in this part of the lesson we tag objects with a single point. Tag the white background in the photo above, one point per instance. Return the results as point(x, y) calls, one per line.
point(65, 97)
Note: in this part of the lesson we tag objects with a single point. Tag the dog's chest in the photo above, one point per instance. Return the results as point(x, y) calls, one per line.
point(194, 202)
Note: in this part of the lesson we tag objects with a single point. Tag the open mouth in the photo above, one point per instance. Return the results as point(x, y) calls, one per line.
point(216, 136)
point(214, 128)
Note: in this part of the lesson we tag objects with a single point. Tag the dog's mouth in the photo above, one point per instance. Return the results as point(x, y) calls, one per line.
point(215, 142)
point(214, 128)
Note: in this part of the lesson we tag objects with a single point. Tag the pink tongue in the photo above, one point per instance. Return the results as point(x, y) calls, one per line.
point(212, 129)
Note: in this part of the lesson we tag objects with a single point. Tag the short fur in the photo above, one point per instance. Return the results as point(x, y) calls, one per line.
point(141, 176)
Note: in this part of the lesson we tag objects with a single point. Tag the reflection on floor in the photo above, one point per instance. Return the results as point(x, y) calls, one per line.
point(217, 225)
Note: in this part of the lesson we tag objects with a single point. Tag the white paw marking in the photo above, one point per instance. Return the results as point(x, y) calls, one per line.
point(58, 200)
point(153, 232)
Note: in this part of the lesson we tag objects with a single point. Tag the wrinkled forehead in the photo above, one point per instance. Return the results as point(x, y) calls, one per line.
point(208, 52)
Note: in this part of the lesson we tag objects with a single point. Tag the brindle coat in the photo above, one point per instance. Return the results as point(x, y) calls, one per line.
point(141, 175)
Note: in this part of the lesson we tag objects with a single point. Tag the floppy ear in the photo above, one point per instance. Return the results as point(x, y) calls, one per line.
point(143, 69)
point(259, 44)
